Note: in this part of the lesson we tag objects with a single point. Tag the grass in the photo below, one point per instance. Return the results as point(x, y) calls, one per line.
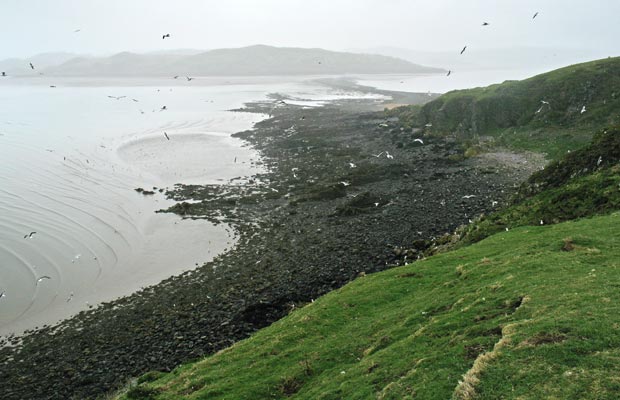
point(512, 114)
point(513, 316)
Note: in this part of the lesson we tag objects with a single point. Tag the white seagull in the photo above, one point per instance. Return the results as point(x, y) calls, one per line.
point(419, 140)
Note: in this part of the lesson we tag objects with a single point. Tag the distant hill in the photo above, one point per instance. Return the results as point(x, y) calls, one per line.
point(252, 60)
point(19, 66)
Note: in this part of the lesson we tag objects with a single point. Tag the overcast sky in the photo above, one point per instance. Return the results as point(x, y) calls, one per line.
point(108, 26)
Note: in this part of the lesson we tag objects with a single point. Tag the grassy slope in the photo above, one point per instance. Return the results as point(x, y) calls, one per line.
point(583, 183)
point(508, 111)
point(533, 320)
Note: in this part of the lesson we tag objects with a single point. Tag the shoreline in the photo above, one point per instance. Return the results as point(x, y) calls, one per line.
point(302, 233)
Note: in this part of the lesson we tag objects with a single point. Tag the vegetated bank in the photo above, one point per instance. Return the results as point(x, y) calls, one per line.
point(552, 112)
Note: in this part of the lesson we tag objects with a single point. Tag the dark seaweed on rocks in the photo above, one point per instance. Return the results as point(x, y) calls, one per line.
point(327, 210)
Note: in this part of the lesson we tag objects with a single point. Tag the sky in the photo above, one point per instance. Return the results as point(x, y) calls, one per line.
point(110, 26)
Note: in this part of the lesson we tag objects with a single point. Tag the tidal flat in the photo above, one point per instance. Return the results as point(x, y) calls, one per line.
point(345, 192)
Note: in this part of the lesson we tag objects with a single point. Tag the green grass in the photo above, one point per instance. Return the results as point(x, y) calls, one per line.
point(528, 319)
point(507, 112)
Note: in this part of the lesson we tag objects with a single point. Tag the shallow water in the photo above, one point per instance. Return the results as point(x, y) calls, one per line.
point(70, 159)
point(440, 83)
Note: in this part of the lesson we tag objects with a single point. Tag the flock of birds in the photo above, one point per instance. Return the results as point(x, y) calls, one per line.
point(484, 24)
point(277, 103)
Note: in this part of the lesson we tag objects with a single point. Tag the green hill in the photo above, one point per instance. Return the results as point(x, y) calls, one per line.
point(542, 113)
point(515, 315)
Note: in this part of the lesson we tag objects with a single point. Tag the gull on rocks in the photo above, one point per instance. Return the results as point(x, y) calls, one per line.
point(583, 109)
point(352, 165)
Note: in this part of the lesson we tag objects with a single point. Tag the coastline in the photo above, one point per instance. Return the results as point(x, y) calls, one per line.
point(302, 233)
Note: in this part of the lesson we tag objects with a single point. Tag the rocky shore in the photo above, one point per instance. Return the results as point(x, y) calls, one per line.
point(347, 192)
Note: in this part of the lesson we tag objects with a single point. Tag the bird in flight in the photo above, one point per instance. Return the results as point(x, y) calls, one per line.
point(31, 66)
point(166, 135)
point(3, 73)
point(188, 78)
point(29, 235)
point(583, 109)
point(418, 140)
point(117, 97)
point(469, 196)
point(43, 278)
point(176, 77)
point(449, 72)
point(76, 31)
point(485, 24)
point(167, 35)
point(463, 51)
point(535, 15)
point(163, 108)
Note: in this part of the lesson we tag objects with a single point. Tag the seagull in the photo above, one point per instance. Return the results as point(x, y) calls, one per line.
point(583, 109)
point(600, 160)
point(166, 135)
point(535, 15)
point(70, 297)
point(188, 78)
point(43, 278)
point(31, 66)
point(3, 73)
point(165, 36)
point(117, 97)
point(469, 196)
point(485, 24)
point(351, 165)
point(544, 102)
point(539, 110)
point(378, 155)
point(345, 184)
point(30, 235)
point(163, 108)
point(52, 86)
point(418, 140)
point(463, 51)
point(449, 72)
point(76, 31)
point(541, 222)
point(388, 155)
point(176, 77)
point(428, 125)
point(376, 204)
point(136, 100)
